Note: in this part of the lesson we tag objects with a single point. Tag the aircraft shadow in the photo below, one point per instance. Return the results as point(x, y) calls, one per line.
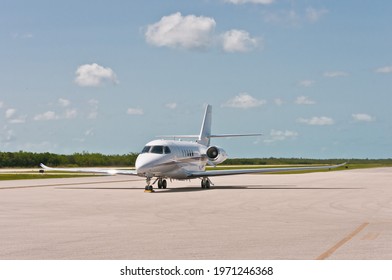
point(98, 188)
point(248, 187)
point(214, 188)
point(156, 190)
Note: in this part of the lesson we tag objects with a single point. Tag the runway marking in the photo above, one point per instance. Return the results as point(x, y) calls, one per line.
point(333, 249)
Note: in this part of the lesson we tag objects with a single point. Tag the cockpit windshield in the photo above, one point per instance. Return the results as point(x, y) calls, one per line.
point(156, 149)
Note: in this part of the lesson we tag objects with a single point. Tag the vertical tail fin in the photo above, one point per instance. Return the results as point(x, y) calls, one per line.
point(205, 131)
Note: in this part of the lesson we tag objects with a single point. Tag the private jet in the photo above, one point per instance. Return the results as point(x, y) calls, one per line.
point(184, 160)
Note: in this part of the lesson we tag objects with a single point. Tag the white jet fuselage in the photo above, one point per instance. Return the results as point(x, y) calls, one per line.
point(171, 159)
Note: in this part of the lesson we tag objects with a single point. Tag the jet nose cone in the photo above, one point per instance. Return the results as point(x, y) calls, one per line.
point(143, 164)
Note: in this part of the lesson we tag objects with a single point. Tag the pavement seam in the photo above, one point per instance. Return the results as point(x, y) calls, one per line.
point(333, 249)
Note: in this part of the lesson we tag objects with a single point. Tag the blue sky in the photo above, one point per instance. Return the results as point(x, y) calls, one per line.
point(315, 77)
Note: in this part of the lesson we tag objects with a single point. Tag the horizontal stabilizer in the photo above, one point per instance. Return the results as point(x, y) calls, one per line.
point(234, 135)
point(210, 136)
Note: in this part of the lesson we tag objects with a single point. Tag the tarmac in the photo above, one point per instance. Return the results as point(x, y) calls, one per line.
point(324, 215)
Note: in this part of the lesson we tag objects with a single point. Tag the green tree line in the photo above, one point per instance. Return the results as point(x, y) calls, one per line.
point(85, 159)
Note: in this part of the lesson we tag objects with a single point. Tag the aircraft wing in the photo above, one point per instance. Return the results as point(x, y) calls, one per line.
point(107, 171)
point(259, 170)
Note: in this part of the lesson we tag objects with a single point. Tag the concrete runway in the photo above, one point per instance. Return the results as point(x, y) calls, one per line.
point(330, 215)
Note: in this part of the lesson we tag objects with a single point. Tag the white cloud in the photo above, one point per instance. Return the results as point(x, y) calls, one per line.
point(81, 140)
point(362, 117)
point(22, 35)
point(285, 17)
point(89, 132)
point(171, 105)
point(94, 75)
point(47, 116)
point(238, 2)
point(92, 115)
point(317, 121)
point(244, 101)
point(93, 109)
point(335, 74)
point(278, 101)
point(196, 33)
point(71, 113)
point(64, 102)
point(294, 18)
point(177, 31)
point(9, 113)
point(93, 102)
point(384, 70)
point(314, 15)
point(135, 111)
point(279, 135)
point(20, 119)
point(306, 83)
point(238, 41)
point(303, 100)
point(7, 135)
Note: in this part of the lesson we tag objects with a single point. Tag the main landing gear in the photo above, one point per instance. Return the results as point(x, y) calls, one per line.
point(205, 183)
point(162, 184)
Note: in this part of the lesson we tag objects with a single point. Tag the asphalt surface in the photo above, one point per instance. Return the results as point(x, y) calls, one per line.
point(328, 215)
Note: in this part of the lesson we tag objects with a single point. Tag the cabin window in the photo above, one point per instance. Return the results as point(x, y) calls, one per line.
point(167, 150)
point(146, 149)
point(157, 150)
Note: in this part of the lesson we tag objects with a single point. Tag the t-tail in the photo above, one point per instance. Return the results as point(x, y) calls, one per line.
point(205, 131)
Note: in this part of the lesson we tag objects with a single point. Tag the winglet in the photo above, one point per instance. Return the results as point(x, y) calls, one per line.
point(44, 166)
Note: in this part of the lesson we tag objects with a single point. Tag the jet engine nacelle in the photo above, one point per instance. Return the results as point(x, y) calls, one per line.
point(216, 155)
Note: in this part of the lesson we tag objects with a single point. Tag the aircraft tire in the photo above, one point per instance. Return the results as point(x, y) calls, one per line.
point(205, 184)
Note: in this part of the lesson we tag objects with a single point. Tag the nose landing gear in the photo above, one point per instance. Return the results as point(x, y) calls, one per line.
point(148, 188)
point(162, 184)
